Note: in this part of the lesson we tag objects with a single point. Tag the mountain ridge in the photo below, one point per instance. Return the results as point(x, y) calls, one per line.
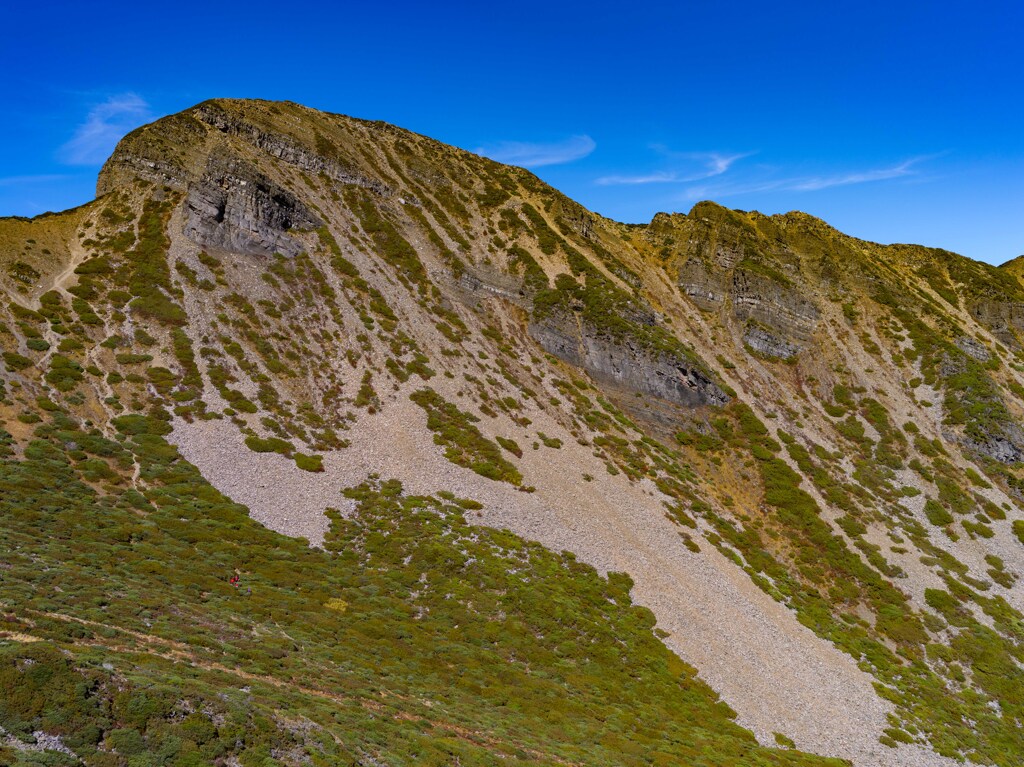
point(796, 443)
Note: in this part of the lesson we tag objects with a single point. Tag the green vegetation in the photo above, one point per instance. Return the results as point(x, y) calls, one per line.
point(148, 654)
point(150, 277)
point(16, 362)
point(534, 277)
point(971, 398)
point(270, 445)
point(552, 442)
point(511, 445)
point(23, 273)
point(463, 443)
point(389, 243)
point(37, 344)
point(608, 309)
point(546, 237)
point(936, 514)
point(64, 373)
point(309, 462)
point(783, 740)
point(412, 638)
point(927, 703)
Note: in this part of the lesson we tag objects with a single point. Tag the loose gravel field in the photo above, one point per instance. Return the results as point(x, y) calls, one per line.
point(775, 673)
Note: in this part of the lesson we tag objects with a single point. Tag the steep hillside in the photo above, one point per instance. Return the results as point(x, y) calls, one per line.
point(782, 466)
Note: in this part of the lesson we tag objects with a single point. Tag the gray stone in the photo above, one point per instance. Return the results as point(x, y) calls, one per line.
point(1005, 319)
point(769, 344)
point(780, 308)
point(624, 363)
point(999, 448)
point(707, 288)
point(236, 208)
point(773, 304)
point(973, 348)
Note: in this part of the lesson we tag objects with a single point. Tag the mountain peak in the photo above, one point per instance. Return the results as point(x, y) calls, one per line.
point(428, 459)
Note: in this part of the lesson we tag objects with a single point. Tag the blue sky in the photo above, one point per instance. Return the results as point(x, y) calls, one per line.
point(895, 121)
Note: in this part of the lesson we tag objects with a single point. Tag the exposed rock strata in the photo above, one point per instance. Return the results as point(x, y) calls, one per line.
point(236, 208)
point(778, 319)
point(769, 344)
point(760, 298)
point(626, 363)
point(1004, 318)
point(287, 150)
point(973, 348)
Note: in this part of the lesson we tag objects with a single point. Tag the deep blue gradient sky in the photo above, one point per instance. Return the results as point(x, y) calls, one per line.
point(895, 121)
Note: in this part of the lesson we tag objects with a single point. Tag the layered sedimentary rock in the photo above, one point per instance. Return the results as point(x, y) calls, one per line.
point(1004, 318)
point(234, 207)
point(626, 363)
point(768, 344)
point(778, 319)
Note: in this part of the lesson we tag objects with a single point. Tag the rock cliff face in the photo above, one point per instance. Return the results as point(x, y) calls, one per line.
point(973, 348)
point(1005, 449)
point(481, 282)
point(766, 343)
point(1004, 318)
point(772, 303)
point(626, 363)
point(234, 207)
point(708, 288)
point(784, 317)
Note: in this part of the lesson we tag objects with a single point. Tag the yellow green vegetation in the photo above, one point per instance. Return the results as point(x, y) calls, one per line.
point(149, 278)
point(608, 309)
point(826, 581)
point(524, 656)
point(464, 445)
point(143, 650)
point(309, 462)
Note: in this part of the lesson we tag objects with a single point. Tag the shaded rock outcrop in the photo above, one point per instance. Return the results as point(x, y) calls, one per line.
point(768, 344)
point(776, 305)
point(706, 287)
point(1005, 319)
point(234, 207)
point(973, 348)
point(626, 363)
point(1000, 448)
point(480, 282)
point(779, 319)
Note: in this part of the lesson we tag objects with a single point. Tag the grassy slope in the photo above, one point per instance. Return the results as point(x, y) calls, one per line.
point(414, 638)
point(901, 308)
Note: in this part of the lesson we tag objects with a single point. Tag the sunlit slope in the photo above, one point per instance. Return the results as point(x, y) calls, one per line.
point(803, 448)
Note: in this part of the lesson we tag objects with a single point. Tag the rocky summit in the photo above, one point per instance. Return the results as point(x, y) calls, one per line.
point(324, 443)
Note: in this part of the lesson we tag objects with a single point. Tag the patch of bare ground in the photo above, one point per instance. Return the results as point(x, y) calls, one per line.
point(777, 674)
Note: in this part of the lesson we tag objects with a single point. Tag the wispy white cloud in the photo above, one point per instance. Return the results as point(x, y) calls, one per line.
point(537, 155)
point(808, 183)
point(103, 127)
point(813, 184)
point(716, 163)
point(721, 191)
point(711, 164)
point(27, 180)
point(663, 177)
